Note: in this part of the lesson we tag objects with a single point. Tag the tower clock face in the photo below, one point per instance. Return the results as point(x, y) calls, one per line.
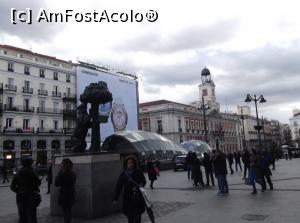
point(119, 117)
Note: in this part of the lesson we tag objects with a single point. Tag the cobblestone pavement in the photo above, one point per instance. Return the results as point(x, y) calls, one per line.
point(160, 209)
point(175, 200)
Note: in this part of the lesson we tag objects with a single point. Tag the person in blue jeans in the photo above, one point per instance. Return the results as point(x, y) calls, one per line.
point(220, 169)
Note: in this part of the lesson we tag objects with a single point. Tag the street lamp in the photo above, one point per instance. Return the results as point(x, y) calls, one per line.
point(244, 138)
point(204, 107)
point(260, 99)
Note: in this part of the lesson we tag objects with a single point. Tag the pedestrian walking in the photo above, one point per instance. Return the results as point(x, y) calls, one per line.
point(237, 159)
point(265, 161)
point(5, 174)
point(219, 164)
point(151, 173)
point(157, 167)
point(130, 179)
point(254, 170)
point(246, 161)
point(230, 161)
point(66, 179)
point(49, 177)
point(189, 162)
point(207, 163)
point(26, 186)
point(196, 171)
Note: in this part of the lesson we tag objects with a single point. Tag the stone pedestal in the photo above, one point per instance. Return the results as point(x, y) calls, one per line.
point(97, 176)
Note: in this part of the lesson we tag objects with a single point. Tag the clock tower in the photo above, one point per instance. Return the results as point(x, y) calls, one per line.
point(207, 90)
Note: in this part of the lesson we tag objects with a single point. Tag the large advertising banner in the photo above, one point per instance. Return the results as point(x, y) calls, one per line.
point(123, 114)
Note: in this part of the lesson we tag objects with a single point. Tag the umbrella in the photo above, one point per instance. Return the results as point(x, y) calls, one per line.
point(148, 205)
point(150, 214)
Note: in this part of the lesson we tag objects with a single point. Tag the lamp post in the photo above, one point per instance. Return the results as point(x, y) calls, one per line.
point(260, 99)
point(204, 107)
point(244, 138)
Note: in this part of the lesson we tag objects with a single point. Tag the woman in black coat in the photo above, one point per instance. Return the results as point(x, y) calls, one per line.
point(66, 179)
point(130, 179)
point(151, 173)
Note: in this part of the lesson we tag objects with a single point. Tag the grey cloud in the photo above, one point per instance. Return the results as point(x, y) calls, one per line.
point(271, 71)
point(152, 89)
point(36, 31)
point(186, 39)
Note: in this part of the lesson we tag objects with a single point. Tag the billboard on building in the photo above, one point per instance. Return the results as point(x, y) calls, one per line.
point(124, 108)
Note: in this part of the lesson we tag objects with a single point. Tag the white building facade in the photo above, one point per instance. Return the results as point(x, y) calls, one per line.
point(295, 127)
point(37, 105)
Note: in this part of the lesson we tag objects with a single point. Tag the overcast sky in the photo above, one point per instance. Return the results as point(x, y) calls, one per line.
point(249, 46)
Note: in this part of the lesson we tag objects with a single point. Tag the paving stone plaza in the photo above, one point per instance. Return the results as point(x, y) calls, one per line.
point(175, 200)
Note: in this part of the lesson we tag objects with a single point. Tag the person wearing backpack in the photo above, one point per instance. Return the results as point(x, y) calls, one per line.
point(130, 179)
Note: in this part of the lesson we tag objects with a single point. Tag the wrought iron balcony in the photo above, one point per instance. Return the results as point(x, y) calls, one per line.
point(69, 112)
point(9, 87)
point(42, 92)
point(70, 97)
point(49, 110)
point(27, 90)
point(56, 94)
point(49, 131)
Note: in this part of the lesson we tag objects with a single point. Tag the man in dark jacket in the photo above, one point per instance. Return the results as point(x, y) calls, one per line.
point(265, 160)
point(237, 159)
point(220, 169)
point(26, 184)
point(230, 161)
point(207, 163)
point(4, 173)
point(196, 171)
point(246, 161)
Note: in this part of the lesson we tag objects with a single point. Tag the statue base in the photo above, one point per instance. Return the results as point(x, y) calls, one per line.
point(97, 175)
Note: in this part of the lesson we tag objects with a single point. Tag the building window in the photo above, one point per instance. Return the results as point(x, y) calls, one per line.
point(68, 92)
point(68, 78)
point(159, 126)
point(9, 122)
point(42, 125)
point(10, 81)
point(10, 67)
point(42, 73)
point(55, 125)
point(26, 123)
point(55, 106)
point(10, 101)
point(41, 106)
point(146, 126)
point(27, 70)
point(179, 125)
point(55, 76)
point(26, 104)
point(204, 92)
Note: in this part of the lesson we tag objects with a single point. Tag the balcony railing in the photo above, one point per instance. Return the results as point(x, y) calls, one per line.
point(11, 107)
point(49, 110)
point(56, 94)
point(68, 130)
point(42, 92)
point(18, 130)
point(9, 87)
point(27, 90)
point(68, 112)
point(49, 131)
point(70, 97)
